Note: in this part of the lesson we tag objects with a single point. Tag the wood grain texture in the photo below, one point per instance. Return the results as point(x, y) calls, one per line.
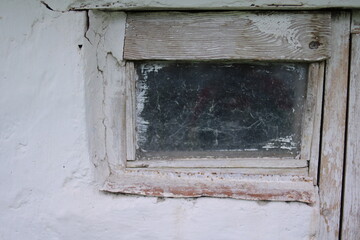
point(253, 171)
point(130, 108)
point(203, 4)
point(312, 118)
point(198, 184)
point(227, 35)
point(309, 111)
point(221, 163)
point(333, 132)
point(351, 204)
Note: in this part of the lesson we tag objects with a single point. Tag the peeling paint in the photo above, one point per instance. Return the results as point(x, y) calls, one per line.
point(282, 143)
point(53, 105)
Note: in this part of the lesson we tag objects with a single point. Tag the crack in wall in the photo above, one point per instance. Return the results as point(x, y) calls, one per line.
point(87, 26)
point(106, 62)
point(52, 9)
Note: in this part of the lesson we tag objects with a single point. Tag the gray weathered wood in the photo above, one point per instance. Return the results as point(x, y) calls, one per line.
point(253, 171)
point(197, 184)
point(228, 35)
point(221, 163)
point(203, 4)
point(309, 110)
point(130, 108)
point(351, 204)
point(333, 132)
point(312, 118)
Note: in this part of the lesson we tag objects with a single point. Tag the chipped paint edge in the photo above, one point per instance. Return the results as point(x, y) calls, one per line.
point(180, 184)
point(201, 4)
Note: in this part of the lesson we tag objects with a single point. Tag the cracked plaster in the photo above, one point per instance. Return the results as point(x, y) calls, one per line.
point(51, 100)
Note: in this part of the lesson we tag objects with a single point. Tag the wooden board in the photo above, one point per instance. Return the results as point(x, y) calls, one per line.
point(227, 35)
point(351, 204)
point(333, 131)
point(198, 184)
point(221, 163)
point(312, 118)
point(301, 171)
point(130, 108)
point(203, 4)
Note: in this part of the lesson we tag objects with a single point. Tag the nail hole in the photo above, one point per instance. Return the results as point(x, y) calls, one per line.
point(314, 45)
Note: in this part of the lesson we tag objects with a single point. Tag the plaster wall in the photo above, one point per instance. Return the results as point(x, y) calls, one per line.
point(47, 178)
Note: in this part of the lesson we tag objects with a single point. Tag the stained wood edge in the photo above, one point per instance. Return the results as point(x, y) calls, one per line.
point(222, 185)
point(204, 5)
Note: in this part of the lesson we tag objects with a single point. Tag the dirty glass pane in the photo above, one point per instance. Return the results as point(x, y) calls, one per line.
point(222, 109)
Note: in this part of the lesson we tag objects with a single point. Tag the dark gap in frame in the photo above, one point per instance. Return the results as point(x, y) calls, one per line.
point(346, 131)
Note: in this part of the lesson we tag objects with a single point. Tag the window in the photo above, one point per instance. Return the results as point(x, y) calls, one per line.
point(226, 109)
point(319, 40)
point(224, 104)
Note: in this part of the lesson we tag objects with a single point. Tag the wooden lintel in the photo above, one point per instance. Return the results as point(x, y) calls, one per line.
point(284, 36)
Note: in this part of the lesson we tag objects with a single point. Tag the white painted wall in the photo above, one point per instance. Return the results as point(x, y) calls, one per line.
point(47, 181)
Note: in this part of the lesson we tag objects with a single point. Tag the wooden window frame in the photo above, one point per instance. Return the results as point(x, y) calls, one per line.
point(240, 178)
point(105, 92)
point(298, 165)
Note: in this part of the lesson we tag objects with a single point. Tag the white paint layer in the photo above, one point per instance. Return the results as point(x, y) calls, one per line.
point(47, 171)
point(203, 4)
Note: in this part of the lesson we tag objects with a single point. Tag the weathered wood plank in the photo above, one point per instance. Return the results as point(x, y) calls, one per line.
point(351, 204)
point(227, 35)
point(309, 111)
point(258, 171)
point(187, 184)
point(221, 163)
point(204, 4)
point(312, 118)
point(333, 132)
point(130, 108)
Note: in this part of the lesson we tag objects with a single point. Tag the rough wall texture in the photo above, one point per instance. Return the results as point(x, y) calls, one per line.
point(47, 183)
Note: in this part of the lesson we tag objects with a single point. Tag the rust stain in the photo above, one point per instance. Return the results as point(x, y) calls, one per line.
point(180, 184)
point(225, 191)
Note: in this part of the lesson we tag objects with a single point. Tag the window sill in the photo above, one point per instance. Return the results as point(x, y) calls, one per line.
point(181, 183)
